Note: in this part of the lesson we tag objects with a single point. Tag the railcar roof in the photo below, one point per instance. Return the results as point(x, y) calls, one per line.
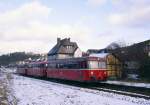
point(38, 62)
point(100, 55)
point(76, 59)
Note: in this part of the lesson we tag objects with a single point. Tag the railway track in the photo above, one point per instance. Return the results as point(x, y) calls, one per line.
point(132, 94)
point(132, 91)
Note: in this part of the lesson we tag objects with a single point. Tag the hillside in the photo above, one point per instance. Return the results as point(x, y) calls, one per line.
point(12, 58)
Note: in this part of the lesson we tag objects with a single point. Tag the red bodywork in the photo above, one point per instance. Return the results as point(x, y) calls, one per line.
point(37, 69)
point(83, 75)
point(78, 75)
point(21, 71)
point(37, 72)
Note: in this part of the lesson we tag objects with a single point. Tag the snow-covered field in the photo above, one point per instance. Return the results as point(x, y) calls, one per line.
point(29, 91)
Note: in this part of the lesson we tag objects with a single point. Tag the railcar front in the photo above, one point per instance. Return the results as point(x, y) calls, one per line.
point(84, 69)
point(96, 70)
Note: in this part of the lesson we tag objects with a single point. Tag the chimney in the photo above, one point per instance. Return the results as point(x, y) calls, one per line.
point(69, 39)
point(58, 40)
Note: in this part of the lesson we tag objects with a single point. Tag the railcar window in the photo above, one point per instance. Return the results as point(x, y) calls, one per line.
point(41, 65)
point(68, 65)
point(51, 65)
point(83, 65)
point(30, 66)
point(21, 66)
point(93, 64)
point(102, 65)
point(73, 66)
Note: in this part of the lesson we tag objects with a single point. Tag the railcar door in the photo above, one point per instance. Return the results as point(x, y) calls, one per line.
point(44, 68)
point(83, 67)
point(26, 69)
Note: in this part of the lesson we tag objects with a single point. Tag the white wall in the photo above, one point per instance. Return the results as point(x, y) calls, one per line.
point(62, 56)
point(78, 53)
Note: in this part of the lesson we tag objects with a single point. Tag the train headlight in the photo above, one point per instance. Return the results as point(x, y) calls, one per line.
point(92, 73)
point(105, 73)
point(46, 65)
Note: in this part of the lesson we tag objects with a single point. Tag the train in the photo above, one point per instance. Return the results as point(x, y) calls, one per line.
point(82, 69)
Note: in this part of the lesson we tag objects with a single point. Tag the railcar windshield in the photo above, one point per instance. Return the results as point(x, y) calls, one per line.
point(93, 64)
point(96, 64)
point(102, 64)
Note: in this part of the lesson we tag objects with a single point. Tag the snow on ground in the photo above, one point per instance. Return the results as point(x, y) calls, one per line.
point(8, 70)
point(6, 96)
point(146, 85)
point(29, 91)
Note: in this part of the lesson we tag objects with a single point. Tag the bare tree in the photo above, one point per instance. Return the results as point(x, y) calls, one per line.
point(116, 44)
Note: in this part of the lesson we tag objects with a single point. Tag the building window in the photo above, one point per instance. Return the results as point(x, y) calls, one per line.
point(69, 47)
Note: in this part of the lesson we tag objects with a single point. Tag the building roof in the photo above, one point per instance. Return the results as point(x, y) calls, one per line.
point(63, 46)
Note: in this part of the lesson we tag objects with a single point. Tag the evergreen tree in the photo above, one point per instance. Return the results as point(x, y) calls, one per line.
point(145, 69)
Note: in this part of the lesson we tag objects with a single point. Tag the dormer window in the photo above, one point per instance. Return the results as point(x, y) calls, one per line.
point(69, 47)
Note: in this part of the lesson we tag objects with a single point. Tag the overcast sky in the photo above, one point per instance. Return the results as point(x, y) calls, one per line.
point(34, 25)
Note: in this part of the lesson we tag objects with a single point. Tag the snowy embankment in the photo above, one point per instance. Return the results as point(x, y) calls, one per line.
point(6, 95)
point(31, 91)
point(145, 85)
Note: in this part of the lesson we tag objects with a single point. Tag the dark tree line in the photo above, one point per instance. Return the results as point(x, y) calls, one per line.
point(145, 69)
point(138, 52)
point(12, 58)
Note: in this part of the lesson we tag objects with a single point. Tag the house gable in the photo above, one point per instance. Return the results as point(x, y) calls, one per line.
point(64, 49)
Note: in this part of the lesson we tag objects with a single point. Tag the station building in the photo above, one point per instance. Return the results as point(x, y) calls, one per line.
point(64, 49)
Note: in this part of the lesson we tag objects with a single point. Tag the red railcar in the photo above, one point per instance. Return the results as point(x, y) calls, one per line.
point(22, 69)
point(37, 69)
point(84, 69)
